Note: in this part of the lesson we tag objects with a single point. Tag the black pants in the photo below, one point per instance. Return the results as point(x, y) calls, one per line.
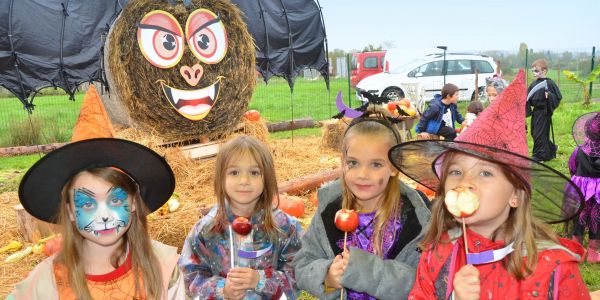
point(543, 148)
point(447, 132)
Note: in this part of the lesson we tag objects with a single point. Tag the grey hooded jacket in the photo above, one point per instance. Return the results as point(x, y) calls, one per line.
point(365, 272)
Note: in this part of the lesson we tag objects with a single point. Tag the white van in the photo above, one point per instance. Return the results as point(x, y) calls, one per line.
point(428, 72)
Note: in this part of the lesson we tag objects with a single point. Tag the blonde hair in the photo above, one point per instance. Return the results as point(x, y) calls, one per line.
point(521, 228)
point(391, 204)
point(143, 259)
point(231, 152)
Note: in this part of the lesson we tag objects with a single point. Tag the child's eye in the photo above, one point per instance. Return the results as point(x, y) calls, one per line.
point(486, 174)
point(377, 165)
point(233, 173)
point(115, 202)
point(351, 163)
point(454, 173)
point(88, 205)
point(255, 173)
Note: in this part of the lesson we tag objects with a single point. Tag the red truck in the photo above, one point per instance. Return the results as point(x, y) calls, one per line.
point(365, 64)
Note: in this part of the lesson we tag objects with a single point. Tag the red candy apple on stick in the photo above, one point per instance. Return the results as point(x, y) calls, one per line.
point(241, 226)
point(462, 203)
point(346, 220)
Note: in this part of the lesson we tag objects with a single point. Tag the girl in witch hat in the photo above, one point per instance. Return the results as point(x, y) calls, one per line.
point(584, 166)
point(503, 250)
point(99, 192)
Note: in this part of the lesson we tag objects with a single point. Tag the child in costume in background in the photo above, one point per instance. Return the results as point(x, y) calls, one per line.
point(473, 110)
point(584, 166)
point(540, 106)
point(441, 114)
point(382, 251)
point(512, 255)
point(245, 185)
point(494, 87)
point(99, 191)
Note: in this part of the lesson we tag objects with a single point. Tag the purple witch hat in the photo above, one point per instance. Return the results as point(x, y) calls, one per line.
point(586, 133)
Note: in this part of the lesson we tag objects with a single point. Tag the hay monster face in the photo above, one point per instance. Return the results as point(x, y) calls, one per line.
point(184, 72)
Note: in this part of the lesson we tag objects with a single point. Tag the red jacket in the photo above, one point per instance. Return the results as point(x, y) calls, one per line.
point(556, 275)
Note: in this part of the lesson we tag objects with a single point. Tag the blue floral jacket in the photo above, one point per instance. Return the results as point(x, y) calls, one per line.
point(205, 258)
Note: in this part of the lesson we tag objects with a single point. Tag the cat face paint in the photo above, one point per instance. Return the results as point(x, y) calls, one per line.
point(101, 216)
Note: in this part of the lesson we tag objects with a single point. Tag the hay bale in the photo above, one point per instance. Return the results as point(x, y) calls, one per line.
point(139, 86)
point(333, 135)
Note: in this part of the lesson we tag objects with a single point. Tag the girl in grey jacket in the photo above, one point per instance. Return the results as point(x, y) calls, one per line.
point(382, 253)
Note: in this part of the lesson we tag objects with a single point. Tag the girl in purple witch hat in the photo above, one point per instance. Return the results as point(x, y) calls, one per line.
point(584, 166)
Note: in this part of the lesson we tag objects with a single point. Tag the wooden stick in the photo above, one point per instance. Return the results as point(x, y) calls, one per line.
point(345, 239)
point(231, 246)
point(465, 236)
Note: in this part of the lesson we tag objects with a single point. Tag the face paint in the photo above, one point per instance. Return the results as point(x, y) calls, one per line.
point(101, 217)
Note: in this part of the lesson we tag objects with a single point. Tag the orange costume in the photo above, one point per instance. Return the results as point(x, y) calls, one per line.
point(49, 280)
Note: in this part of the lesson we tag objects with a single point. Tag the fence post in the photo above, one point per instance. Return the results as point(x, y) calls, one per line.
point(348, 66)
point(526, 67)
point(592, 69)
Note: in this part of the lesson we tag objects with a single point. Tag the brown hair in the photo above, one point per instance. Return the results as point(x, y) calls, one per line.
point(231, 152)
point(391, 205)
point(475, 107)
point(542, 63)
point(521, 228)
point(143, 259)
point(448, 90)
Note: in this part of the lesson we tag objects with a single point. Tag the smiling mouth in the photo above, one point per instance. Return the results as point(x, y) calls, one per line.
point(105, 231)
point(193, 104)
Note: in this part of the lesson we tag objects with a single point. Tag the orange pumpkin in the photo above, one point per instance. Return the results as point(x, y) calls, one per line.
point(405, 103)
point(252, 115)
point(292, 205)
point(52, 245)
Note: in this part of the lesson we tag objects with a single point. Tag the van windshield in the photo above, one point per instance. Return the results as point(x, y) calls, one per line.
point(408, 66)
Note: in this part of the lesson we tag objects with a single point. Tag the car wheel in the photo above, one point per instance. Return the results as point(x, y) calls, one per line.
point(393, 94)
point(481, 92)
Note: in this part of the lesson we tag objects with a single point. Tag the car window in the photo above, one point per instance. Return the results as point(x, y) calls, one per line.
point(371, 62)
point(459, 67)
point(381, 61)
point(429, 69)
point(353, 65)
point(483, 66)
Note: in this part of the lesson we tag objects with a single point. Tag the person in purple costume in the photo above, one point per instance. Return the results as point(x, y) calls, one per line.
point(584, 166)
point(381, 256)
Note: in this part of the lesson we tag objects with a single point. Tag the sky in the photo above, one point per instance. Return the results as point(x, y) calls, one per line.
point(418, 26)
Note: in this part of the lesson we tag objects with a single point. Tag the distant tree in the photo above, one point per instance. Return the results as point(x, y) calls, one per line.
point(522, 52)
point(371, 47)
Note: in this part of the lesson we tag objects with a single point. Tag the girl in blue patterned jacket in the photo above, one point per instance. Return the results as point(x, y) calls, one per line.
point(259, 267)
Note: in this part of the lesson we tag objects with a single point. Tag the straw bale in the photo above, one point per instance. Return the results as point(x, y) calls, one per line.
point(135, 82)
point(333, 135)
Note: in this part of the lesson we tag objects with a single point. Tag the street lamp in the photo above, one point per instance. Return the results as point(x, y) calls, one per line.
point(444, 65)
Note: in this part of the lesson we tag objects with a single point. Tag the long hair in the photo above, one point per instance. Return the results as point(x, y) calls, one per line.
point(390, 206)
point(230, 153)
point(521, 228)
point(144, 261)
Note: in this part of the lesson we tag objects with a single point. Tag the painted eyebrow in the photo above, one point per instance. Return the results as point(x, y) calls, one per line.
point(213, 21)
point(156, 27)
point(86, 192)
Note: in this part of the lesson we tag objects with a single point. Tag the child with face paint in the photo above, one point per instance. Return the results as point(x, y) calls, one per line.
point(246, 189)
point(542, 99)
point(381, 254)
point(506, 252)
point(99, 191)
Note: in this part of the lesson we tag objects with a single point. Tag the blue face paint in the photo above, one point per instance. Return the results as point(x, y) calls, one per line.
point(85, 207)
point(99, 216)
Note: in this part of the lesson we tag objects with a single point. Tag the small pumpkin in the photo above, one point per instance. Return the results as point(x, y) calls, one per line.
point(252, 115)
point(52, 245)
point(292, 205)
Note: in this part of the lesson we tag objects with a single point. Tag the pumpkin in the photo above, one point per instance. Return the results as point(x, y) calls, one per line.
point(252, 115)
point(292, 205)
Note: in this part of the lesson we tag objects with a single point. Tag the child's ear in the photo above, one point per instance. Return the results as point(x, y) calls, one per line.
point(132, 205)
point(515, 199)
